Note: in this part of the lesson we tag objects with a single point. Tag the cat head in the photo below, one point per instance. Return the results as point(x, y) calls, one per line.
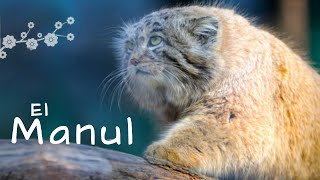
point(168, 57)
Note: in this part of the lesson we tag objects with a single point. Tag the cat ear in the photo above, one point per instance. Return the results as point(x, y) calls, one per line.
point(204, 29)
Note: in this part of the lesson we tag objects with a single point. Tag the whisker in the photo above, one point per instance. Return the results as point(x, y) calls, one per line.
point(172, 71)
point(111, 79)
point(108, 84)
point(123, 87)
point(113, 93)
point(178, 80)
point(109, 75)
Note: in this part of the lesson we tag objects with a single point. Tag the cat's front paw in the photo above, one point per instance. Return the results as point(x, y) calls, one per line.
point(160, 153)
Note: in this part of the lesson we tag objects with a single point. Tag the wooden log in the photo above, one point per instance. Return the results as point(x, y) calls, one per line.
point(29, 160)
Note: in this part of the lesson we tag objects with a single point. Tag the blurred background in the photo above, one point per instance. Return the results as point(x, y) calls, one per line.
point(68, 75)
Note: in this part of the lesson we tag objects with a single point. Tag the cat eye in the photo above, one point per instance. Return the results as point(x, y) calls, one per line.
point(129, 45)
point(155, 40)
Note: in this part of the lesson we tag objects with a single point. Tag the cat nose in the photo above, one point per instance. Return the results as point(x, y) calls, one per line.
point(134, 61)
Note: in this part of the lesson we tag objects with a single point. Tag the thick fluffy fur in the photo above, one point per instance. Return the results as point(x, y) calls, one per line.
point(241, 103)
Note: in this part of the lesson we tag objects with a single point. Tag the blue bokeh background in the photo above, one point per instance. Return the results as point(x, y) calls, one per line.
point(67, 76)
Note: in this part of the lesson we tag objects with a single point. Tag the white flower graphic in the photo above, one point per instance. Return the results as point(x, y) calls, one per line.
point(39, 35)
point(32, 44)
point(3, 55)
point(58, 25)
point(70, 20)
point(70, 37)
point(51, 39)
point(23, 35)
point(31, 25)
point(9, 42)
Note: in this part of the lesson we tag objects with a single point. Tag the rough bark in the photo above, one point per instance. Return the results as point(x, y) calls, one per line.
point(29, 160)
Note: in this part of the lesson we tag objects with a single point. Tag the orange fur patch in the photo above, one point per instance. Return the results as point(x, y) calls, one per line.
point(283, 70)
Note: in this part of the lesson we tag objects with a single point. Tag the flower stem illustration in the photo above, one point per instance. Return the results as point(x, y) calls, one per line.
point(50, 39)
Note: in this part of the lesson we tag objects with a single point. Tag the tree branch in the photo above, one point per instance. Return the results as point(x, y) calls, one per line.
point(29, 160)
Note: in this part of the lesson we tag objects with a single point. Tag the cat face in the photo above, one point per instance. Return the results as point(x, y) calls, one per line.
point(168, 56)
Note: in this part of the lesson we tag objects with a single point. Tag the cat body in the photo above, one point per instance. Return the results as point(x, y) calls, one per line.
point(240, 102)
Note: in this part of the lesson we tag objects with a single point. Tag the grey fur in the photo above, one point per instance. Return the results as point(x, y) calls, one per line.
point(179, 69)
